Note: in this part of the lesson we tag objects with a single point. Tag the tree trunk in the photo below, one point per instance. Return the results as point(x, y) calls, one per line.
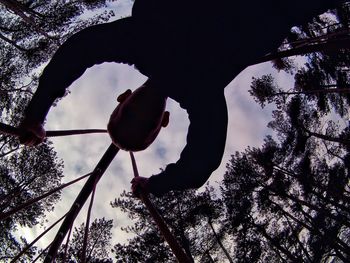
point(320, 196)
point(184, 241)
point(343, 219)
point(219, 242)
point(324, 91)
point(327, 137)
point(209, 256)
point(18, 7)
point(13, 43)
point(296, 236)
point(339, 218)
point(20, 10)
point(328, 45)
point(274, 242)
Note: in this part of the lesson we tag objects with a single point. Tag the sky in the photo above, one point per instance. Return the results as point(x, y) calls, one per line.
point(89, 105)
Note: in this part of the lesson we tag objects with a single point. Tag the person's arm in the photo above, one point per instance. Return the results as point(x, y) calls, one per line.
point(204, 150)
point(111, 42)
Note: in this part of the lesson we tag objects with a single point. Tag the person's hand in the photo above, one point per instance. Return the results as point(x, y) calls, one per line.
point(139, 185)
point(33, 132)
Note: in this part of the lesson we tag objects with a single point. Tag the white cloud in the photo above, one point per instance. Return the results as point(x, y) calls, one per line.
point(92, 99)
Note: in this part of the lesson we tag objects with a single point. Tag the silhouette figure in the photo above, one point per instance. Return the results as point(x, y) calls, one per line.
point(190, 51)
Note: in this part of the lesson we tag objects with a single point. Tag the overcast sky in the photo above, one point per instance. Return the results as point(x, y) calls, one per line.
point(92, 100)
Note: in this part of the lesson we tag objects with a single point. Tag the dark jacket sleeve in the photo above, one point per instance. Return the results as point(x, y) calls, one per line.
point(111, 42)
point(204, 149)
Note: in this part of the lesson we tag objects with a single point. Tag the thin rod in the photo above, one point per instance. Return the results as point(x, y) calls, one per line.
point(10, 130)
point(67, 243)
point(37, 199)
point(86, 234)
point(35, 240)
point(174, 245)
point(42, 252)
point(80, 200)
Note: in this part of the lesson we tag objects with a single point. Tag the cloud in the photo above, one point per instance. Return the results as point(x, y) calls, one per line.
point(93, 98)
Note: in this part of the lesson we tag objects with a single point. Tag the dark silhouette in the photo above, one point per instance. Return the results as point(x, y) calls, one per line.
point(190, 51)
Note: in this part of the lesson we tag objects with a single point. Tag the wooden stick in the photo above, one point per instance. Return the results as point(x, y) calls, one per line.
point(37, 199)
point(67, 243)
point(35, 240)
point(86, 234)
point(99, 170)
point(10, 130)
point(181, 256)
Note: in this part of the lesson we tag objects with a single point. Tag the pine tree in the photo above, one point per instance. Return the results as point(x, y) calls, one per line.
point(26, 174)
point(98, 244)
point(30, 32)
point(286, 209)
point(193, 218)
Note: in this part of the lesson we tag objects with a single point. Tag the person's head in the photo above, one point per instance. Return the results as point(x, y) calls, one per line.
point(138, 118)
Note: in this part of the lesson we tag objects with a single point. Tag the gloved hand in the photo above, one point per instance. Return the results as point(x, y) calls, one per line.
point(139, 185)
point(33, 132)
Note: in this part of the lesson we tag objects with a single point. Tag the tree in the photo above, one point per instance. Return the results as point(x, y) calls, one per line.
point(298, 201)
point(316, 106)
point(283, 209)
point(325, 76)
point(147, 245)
point(98, 246)
point(285, 201)
point(30, 32)
point(193, 219)
point(24, 175)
